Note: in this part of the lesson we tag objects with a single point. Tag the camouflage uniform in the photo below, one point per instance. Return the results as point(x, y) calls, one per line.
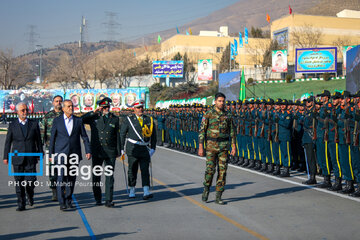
point(216, 129)
point(45, 130)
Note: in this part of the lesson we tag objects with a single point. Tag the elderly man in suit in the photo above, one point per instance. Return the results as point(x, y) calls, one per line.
point(139, 131)
point(23, 136)
point(65, 140)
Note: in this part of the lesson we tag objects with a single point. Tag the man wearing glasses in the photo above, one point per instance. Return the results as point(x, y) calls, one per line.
point(105, 146)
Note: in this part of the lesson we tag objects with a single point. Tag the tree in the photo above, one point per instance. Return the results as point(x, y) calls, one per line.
point(188, 66)
point(225, 59)
point(256, 32)
point(103, 76)
point(80, 69)
point(14, 71)
point(306, 36)
point(341, 42)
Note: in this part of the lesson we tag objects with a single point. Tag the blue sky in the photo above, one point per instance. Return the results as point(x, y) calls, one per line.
point(59, 21)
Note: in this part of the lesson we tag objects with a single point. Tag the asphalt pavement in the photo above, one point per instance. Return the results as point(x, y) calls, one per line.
point(258, 206)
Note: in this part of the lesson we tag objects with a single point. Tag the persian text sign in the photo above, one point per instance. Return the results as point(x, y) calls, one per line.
point(172, 69)
point(316, 60)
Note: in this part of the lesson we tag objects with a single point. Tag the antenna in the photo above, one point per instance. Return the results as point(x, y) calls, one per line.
point(83, 31)
point(111, 25)
point(31, 37)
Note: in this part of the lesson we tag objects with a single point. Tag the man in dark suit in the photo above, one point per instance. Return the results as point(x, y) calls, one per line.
point(105, 146)
point(65, 139)
point(139, 132)
point(23, 136)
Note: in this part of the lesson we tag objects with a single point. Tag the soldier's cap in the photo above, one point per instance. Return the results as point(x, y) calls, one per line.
point(270, 101)
point(278, 101)
point(336, 95)
point(239, 102)
point(138, 103)
point(227, 103)
point(105, 102)
point(310, 99)
point(263, 101)
point(345, 94)
point(290, 102)
point(317, 102)
point(357, 94)
point(251, 101)
point(297, 103)
point(233, 103)
point(325, 93)
point(284, 102)
point(257, 101)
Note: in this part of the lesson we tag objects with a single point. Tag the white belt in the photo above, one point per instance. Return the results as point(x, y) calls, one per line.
point(137, 142)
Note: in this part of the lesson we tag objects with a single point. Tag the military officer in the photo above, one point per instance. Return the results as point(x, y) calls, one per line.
point(105, 146)
point(45, 130)
point(139, 133)
point(216, 128)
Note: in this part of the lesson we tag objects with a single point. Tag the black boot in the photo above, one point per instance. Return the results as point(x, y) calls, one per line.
point(349, 187)
point(263, 167)
point(240, 162)
point(251, 164)
point(271, 168)
point(246, 163)
point(311, 181)
point(218, 199)
point(337, 186)
point(205, 194)
point(276, 170)
point(54, 195)
point(326, 183)
point(257, 165)
point(285, 173)
point(357, 192)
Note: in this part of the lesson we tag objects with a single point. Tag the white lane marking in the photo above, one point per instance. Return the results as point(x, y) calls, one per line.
point(274, 177)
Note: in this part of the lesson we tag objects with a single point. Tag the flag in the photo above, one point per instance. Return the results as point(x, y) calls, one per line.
point(159, 39)
point(241, 43)
point(246, 33)
point(242, 93)
point(290, 10)
point(235, 47)
point(268, 18)
point(190, 31)
point(134, 54)
point(232, 51)
point(187, 33)
point(177, 30)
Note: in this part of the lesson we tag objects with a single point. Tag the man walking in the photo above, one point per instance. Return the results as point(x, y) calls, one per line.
point(23, 136)
point(216, 129)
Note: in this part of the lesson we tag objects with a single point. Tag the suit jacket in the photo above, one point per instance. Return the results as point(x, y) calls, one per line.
point(105, 134)
point(61, 142)
point(128, 132)
point(15, 140)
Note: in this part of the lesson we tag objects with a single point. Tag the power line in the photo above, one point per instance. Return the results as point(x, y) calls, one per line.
point(31, 37)
point(112, 26)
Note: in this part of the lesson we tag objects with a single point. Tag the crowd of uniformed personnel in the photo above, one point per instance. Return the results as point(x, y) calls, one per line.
point(318, 135)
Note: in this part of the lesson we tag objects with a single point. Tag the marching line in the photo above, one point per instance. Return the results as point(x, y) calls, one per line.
point(274, 177)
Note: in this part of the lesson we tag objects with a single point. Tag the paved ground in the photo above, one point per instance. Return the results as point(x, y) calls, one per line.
point(258, 207)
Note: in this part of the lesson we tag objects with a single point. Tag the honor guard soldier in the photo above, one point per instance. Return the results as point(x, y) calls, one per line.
point(139, 133)
point(45, 130)
point(105, 145)
point(216, 130)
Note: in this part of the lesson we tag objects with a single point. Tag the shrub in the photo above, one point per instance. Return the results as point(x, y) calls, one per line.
point(326, 76)
point(288, 78)
point(250, 81)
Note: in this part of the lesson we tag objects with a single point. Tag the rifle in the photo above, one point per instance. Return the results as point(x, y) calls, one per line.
point(334, 121)
point(326, 128)
point(347, 127)
point(276, 128)
point(269, 130)
point(314, 125)
point(262, 132)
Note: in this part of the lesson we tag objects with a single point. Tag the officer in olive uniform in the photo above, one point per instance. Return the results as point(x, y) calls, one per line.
point(45, 130)
point(139, 132)
point(105, 145)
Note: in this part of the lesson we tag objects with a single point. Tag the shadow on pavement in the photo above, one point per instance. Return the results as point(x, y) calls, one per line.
point(98, 236)
point(34, 233)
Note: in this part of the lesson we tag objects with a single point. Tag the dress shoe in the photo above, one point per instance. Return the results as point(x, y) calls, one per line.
point(63, 207)
point(349, 187)
point(251, 164)
point(337, 186)
point(257, 165)
point(263, 167)
point(246, 163)
point(30, 201)
point(276, 170)
point(70, 205)
point(270, 168)
point(19, 209)
point(54, 195)
point(326, 183)
point(109, 204)
point(356, 193)
point(285, 173)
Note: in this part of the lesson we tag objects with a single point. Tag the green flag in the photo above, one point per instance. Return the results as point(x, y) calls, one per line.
point(159, 39)
point(242, 94)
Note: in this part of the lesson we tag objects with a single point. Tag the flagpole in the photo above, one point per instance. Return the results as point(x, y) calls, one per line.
point(230, 56)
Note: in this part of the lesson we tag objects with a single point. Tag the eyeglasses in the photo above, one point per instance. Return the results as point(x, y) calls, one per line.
point(141, 107)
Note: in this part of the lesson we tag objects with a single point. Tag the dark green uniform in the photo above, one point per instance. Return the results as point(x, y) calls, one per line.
point(105, 146)
point(136, 150)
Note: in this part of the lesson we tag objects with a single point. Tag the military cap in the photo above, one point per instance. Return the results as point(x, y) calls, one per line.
point(345, 94)
point(105, 102)
point(336, 95)
point(257, 101)
point(325, 93)
point(317, 102)
point(290, 102)
point(227, 103)
point(270, 101)
point(233, 103)
point(252, 101)
point(139, 103)
point(297, 103)
point(278, 101)
point(310, 99)
point(284, 102)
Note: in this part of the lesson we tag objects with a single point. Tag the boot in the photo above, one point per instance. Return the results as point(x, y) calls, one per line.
point(54, 195)
point(218, 199)
point(326, 183)
point(240, 162)
point(205, 194)
point(357, 192)
point(271, 168)
point(276, 170)
point(285, 173)
point(147, 193)
point(251, 164)
point(349, 187)
point(263, 167)
point(246, 163)
point(337, 186)
point(257, 165)
point(311, 181)
point(132, 192)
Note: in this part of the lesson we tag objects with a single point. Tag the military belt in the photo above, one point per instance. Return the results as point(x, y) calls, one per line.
point(218, 139)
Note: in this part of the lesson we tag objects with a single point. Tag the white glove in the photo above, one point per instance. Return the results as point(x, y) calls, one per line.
point(122, 152)
point(152, 151)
